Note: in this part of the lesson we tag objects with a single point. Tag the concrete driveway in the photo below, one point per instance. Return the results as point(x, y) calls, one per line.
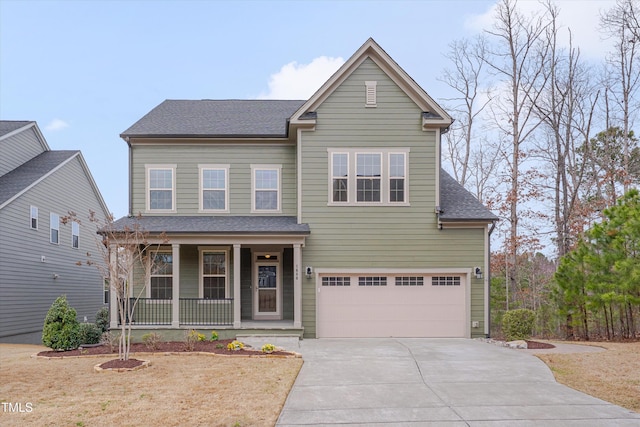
point(424, 382)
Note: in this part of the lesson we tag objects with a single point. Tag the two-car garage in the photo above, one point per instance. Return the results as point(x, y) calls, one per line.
point(394, 304)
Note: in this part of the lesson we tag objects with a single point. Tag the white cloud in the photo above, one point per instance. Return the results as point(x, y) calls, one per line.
point(582, 17)
point(300, 81)
point(56, 124)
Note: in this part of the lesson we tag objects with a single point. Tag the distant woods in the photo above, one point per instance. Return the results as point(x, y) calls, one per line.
point(546, 139)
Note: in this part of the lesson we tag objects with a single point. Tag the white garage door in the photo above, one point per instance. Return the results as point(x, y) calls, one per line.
point(353, 305)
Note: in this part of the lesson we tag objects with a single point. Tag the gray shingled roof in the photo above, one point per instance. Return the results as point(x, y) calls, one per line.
point(214, 224)
point(7, 126)
point(216, 118)
point(458, 204)
point(28, 173)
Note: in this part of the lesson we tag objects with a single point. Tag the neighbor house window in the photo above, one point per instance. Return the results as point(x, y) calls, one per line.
point(396, 177)
point(75, 235)
point(340, 177)
point(368, 176)
point(266, 188)
point(105, 288)
point(214, 274)
point(34, 217)
point(161, 188)
point(161, 284)
point(54, 226)
point(368, 173)
point(214, 188)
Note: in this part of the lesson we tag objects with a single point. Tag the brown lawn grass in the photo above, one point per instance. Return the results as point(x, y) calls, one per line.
point(612, 375)
point(194, 390)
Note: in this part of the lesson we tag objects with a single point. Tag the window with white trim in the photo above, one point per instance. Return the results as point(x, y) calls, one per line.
point(266, 188)
point(214, 274)
point(161, 188)
point(368, 176)
point(75, 234)
point(214, 180)
point(397, 168)
point(106, 288)
point(161, 283)
point(340, 177)
point(54, 228)
point(34, 217)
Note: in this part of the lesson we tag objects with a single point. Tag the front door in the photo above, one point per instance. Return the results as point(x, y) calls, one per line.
point(267, 288)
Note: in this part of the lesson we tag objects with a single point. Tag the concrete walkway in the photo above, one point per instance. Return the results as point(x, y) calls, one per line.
point(427, 382)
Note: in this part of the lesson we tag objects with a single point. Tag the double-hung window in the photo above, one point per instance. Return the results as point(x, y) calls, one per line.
point(161, 188)
point(161, 283)
point(54, 227)
point(397, 168)
point(213, 264)
point(340, 177)
point(34, 217)
point(266, 188)
point(75, 234)
point(368, 177)
point(214, 193)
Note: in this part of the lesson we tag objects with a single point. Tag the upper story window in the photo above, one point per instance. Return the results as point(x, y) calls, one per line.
point(368, 173)
point(397, 175)
point(214, 192)
point(34, 217)
point(265, 188)
point(54, 227)
point(373, 177)
point(161, 188)
point(340, 177)
point(75, 234)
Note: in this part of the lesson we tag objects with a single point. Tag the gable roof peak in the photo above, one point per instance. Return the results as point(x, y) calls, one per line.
point(371, 49)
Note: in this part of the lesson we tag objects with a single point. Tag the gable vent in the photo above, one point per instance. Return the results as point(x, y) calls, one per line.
point(370, 93)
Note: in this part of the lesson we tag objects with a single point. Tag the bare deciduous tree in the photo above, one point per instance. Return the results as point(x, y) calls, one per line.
point(123, 255)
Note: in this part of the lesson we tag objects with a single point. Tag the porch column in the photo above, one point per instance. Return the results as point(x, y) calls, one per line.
point(297, 286)
point(113, 293)
point(236, 286)
point(175, 308)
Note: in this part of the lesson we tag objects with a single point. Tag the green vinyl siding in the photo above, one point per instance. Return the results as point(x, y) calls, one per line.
point(378, 236)
point(238, 156)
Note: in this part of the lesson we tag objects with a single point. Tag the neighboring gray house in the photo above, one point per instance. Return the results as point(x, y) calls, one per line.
point(38, 253)
point(329, 217)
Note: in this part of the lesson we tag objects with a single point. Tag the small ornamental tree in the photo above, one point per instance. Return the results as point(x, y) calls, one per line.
point(124, 253)
point(61, 327)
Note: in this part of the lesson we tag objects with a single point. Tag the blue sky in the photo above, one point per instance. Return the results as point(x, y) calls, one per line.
point(87, 70)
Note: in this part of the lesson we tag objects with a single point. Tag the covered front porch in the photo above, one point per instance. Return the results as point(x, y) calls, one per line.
point(245, 277)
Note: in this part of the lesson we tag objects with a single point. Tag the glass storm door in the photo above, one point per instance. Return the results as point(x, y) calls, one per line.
point(267, 291)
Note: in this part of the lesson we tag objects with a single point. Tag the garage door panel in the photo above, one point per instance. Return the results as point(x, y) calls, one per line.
point(399, 311)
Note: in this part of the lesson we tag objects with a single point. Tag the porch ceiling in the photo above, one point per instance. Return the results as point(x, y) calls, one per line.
point(242, 225)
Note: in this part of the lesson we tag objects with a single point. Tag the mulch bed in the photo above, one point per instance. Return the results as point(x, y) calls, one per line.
point(533, 345)
point(217, 347)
